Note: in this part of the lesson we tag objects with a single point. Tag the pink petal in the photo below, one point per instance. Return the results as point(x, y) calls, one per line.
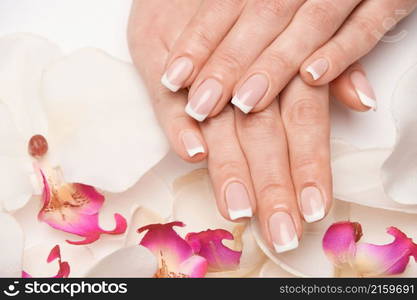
point(339, 242)
point(175, 256)
point(390, 259)
point(64, 267)
point(74, 208)
point(209, 244)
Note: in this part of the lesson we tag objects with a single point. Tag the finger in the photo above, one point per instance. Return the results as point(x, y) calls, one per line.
point(361, 32)
point(313, 24)
point(183, 132)
point(201, 36)
point(353, 89)
point(305, 112)
point(258, 25)
point(264, 143)
point(228, 169)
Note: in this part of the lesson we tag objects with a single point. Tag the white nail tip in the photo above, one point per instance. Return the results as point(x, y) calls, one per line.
point(313, 73)
point(367, 101)
point(315, 217)
point(243, 107)
point(289, 246)
point(194, 151)
point(166, 83)
point(242, 213)
point(193, 114)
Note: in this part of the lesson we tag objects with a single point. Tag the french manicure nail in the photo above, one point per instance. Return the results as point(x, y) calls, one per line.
point(237, 200)
point(312, 204)
point(318, 68)
point(204, 99)
point(364, 89)
point(192, 144)
point(283, 234)
point(251, 92)
point(177, 73)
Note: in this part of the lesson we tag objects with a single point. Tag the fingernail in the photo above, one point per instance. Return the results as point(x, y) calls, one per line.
point(251, 92)
point(237, 200)
point(192, 144)
point(312, 204)
point(177, 73)
point(364, 89)
point(283, 234)
point(318, 68)
point(204, 99)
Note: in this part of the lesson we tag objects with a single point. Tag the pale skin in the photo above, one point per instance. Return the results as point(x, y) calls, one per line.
point(274, 163)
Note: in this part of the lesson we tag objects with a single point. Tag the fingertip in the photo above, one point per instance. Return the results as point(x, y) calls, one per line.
point(354, 89)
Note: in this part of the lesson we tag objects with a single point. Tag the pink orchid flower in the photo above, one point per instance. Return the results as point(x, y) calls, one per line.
point(64, 267)
point(209, 244)
point(74, 208)
point(340, 243)
point(190, 257)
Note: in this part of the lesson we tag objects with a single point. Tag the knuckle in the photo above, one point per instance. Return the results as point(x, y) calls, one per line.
point(228, 167)
point(307, 161)
point(367, 26)
point(272, 8)
point(272, 193)
point(321, 15)
point(202, 38)
point(279, 60)
point(306, 112)
point(230, 60)
point(265, 120)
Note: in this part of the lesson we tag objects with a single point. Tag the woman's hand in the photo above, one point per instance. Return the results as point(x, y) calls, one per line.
point(250, 49)
point(274, 163)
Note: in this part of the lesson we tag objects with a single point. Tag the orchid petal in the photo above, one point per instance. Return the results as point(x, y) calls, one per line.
point(362, 185)
point(103, 130)
point(308, 260)
point(272, 270)
point(133, 261)
point(11, 236)
point(382, 260)
point(64, 267)
point(339, 242)
point(399, 172)
point(141, 217)
point(194, 193)
point(175, 256)
point(74, 208)
point(80, 259)
point(16, 168)
point(23, 58)
point(208, 244)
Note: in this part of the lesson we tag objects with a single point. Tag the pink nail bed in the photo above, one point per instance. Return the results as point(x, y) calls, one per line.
point(283, 234)
point(251, 92)
point(177, 73)
point(204, 99)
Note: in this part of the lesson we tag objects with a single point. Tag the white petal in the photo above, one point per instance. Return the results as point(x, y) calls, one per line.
point(308, 260)
point(356, 179)
point(23, 57)
point(140, 218)
point(195, 204)
point(272, 270)
point(79, 258)
point(16, 188)
point(103, 129)
point(11, 237)
point(134, 261)
point(399, 172)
